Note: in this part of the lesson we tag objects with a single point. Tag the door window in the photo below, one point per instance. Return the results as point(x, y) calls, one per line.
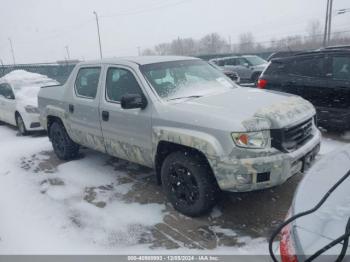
point(120, 82)
point(87, 82)
point(231, 61)
point(242, 61)
point(309, 66)
point(341, 68)
point(6, 91)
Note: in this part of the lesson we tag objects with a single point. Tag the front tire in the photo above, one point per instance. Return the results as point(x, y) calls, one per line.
point(189, 183)
point(21, 126)
point(63, 146)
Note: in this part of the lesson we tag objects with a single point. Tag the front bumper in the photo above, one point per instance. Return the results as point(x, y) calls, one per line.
point(249, 174)
point(31, 121)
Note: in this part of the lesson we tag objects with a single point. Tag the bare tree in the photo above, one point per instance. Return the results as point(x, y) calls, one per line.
point(212, 44)
point(148, 52)
point(246, 43)
point(314, 37)
point(216, 44)
point(163, 49)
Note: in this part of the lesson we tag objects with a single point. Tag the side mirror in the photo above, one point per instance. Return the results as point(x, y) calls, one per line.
point(246, 65)
point(132, 101)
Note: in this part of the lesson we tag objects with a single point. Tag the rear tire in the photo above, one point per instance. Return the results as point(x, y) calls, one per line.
point(63, 146)
point(189, 183)
point(20, 125)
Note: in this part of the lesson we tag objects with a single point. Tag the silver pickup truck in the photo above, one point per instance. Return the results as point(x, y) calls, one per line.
point(187, 120)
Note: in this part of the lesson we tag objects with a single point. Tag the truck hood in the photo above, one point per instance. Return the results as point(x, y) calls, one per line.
point(247, 109)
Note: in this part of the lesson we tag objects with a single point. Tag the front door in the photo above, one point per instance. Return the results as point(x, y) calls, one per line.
point(127, 132)
point(7, 104)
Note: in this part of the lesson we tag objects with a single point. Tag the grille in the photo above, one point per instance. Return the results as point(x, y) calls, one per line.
point(290, 139)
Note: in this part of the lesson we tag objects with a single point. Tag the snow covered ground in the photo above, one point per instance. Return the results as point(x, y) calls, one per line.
point(99, 205)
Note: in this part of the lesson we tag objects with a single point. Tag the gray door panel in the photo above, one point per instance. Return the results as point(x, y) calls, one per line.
point(83, 110)
point(127, 133)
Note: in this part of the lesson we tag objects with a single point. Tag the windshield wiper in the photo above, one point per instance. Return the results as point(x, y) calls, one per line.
point(182, 97)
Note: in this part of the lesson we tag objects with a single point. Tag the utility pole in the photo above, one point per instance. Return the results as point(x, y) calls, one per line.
point(326, 26)
point(139, 50)
point(330, 21)
point(12, 52)
point(67, 50)
point(98, 32)
point(230, 44)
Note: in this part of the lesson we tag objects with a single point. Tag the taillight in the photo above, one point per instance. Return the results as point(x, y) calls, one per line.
point(262, 83)
point(287, 247)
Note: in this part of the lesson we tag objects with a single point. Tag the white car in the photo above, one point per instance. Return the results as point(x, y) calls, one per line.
point(327, 220)
point(19, 99)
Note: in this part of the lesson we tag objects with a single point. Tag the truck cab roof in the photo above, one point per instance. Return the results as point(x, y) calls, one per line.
point(140, 60)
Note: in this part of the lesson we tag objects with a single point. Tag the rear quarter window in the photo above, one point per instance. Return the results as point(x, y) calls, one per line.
point(86, 82)
point(276, 68)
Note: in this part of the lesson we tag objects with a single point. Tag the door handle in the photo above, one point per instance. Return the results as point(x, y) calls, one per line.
point(105, 115)
point(71, 108)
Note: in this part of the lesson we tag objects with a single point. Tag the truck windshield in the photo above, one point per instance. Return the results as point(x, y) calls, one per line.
point(185, 79)
point(255, 60)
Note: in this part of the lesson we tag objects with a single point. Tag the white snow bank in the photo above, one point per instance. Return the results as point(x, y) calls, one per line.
point(37, 217)
point(26, 85)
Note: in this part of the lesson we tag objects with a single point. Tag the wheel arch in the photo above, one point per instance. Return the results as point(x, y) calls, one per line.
point(17, 113)
point(168, 140)
point(50, 120)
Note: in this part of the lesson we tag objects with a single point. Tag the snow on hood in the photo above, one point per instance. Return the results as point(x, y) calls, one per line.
point(26, 85)
point(244, 109)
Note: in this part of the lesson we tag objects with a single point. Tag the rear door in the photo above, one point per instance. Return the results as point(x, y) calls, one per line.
point(127, 132)
point(307, 78)
point(237, 64)
point(83, 108)
point(339, 81)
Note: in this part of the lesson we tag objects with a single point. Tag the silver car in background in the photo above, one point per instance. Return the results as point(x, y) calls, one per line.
point(248, 67)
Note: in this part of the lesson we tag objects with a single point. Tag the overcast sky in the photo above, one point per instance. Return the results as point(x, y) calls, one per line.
point(40, 29)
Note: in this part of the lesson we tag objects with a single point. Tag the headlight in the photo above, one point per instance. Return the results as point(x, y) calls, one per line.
point(259, 139)
point(31, 109)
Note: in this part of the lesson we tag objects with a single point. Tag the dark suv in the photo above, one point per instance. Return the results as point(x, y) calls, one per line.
point(321, 76)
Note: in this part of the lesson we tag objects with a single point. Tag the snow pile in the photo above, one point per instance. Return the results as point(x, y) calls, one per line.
point(27, 85)
point(80, 207)
point(45, 213)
